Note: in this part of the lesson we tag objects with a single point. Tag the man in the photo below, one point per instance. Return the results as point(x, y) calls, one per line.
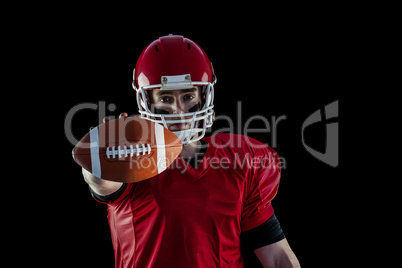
point(212, 206)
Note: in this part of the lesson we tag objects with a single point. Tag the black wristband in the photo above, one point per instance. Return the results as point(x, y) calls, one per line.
point(267, 233)
point(111, 197)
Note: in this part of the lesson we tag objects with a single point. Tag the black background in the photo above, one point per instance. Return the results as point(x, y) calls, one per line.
point(274, 68)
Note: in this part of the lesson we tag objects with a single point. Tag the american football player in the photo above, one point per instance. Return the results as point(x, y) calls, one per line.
point(212, 206)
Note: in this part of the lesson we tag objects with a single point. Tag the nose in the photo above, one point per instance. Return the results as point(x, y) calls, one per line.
point(178, 108)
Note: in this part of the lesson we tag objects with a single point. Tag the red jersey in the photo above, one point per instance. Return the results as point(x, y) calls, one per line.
point(186, 217)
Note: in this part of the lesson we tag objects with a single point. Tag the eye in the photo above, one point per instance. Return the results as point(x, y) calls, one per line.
point(165, 99)
point(188, 97)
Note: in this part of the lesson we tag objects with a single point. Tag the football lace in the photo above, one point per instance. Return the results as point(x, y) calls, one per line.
point(126, 151)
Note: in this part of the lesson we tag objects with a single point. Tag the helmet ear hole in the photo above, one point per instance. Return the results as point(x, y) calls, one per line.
point(156, 48)
point(188, 46)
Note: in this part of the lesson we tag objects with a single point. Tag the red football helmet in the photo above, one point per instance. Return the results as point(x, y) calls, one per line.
point(174, 62)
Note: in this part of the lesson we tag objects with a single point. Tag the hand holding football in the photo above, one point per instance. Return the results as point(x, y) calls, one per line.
point(128, 149)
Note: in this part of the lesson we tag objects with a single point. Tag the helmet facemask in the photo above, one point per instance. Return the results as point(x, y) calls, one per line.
point(198, 120)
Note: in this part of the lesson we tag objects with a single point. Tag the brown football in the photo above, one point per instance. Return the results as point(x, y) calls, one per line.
point(127, 150)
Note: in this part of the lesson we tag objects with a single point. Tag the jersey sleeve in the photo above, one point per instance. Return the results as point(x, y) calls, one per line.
point(261, 186)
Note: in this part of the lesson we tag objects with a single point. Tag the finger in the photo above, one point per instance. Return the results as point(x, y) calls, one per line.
point(105, 119)
point(91, 128)
point(124, 115)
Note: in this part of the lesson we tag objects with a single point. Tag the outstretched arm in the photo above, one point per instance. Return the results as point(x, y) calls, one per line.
point(277, 255)
point(99, 186)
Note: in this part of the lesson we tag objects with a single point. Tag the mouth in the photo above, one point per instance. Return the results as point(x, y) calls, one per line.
point(179, 126)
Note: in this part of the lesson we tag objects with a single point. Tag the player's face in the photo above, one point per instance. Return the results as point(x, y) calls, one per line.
point(176, 102)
